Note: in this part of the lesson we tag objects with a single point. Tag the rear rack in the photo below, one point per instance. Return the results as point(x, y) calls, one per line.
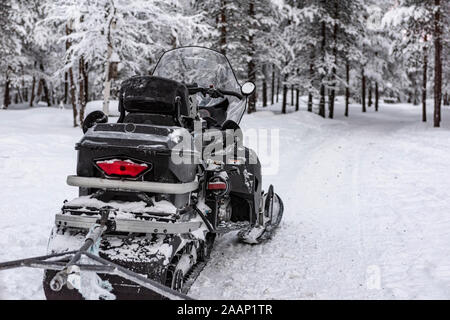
point(69, 272)
point(128, 226)
point(146, 215)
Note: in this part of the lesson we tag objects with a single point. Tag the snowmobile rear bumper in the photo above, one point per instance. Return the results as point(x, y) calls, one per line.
point(142, 186)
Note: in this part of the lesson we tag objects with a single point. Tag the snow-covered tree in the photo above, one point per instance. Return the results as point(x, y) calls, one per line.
point(320, 34)
point(133, 32)
point(243, 31)
point(420, 26)
point(67, 50)
point(411, 26)
point(10, 48)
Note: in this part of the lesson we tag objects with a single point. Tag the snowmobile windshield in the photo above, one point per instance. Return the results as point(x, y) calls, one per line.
point(204, 68)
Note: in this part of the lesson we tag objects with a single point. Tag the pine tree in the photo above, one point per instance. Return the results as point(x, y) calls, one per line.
point(410, 25)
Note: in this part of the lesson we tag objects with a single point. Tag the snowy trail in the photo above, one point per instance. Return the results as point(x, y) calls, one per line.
point(366, 207)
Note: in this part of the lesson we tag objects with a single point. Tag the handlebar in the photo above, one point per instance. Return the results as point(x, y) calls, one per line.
point(212, 92)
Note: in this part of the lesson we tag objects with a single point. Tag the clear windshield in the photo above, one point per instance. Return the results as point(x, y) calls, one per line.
point(198, 65)
point(206, 68)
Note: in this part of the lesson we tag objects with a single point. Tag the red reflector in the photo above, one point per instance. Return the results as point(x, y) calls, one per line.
point(217, 186)
point(122, 168)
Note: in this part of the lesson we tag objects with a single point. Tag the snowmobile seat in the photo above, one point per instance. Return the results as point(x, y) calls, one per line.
point(153, 95)
point(150, 119)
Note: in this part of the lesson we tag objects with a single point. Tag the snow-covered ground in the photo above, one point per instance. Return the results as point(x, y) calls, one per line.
point(367, 203)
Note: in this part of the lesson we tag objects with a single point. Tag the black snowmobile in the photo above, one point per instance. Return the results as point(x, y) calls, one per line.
point(158, 187)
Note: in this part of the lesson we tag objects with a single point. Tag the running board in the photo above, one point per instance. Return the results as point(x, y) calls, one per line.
point(129, 226)
point(126, 185)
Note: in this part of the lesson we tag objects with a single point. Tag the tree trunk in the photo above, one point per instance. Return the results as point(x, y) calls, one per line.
point(73, 98)
point(33, 87)
point(86, 82)
point(7, 98)
point(83, 88)
point(370, 93)
point(109, 41)
point(363, 90)
point(311, 79)
point(46, 92)
point(333, 71)
point(53, 96)
point(107, 83)
point(18, 98)
point(71, 80)
point(272, 92)
point(285, 91)
point(322, 101)
point(66, 74)
point(24, 93)
point(437, 64)
point(377, 96)
point(66, 87)
point(81, 98)
point(416, 97)
point(292, 95)
point(45, 87)
point(331, 103)
point(278, 88)
point(264, 86)
point(223, 27)
point(322, 78)
point(347, 87)
point(251, 62)
point(310, 102)
point(297, 100)
point(39, 90)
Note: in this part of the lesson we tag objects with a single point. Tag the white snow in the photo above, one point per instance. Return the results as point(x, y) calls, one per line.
point(366, 200)
point(97, 105)
point(124, 207)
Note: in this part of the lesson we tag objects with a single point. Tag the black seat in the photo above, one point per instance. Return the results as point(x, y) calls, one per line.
point(153, 95)
point(152, 119)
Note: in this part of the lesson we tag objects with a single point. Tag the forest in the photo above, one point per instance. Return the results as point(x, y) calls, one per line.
point(70, 52)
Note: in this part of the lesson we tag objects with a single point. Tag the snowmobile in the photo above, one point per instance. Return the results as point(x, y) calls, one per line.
point(159, 186)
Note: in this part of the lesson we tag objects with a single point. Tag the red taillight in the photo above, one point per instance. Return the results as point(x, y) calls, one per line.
point(122, 168)
point(219, 185)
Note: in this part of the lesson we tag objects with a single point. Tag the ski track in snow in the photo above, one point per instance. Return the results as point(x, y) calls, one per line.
point(366, 206)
